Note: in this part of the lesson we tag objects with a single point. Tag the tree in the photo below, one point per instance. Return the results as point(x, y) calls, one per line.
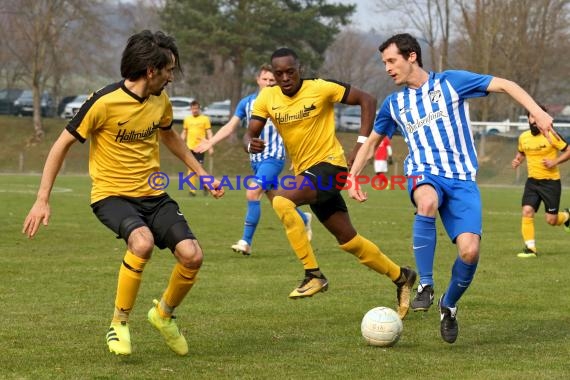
point(430, 20)
point(516, 39)
point(223, 40)
point(38, 31)
point(354, 58)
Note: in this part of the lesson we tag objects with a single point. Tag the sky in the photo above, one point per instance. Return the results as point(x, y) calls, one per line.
point(366, 16)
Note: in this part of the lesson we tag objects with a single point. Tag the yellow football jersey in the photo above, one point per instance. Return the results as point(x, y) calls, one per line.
point(305, 121)
point(123, 133)
point(537, 148)
point(196, 127)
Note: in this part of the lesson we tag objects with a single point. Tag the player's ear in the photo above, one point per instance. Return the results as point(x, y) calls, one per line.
point(413, 57)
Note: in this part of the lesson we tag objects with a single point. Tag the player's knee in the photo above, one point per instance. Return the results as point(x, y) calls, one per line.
point(141, 242)
point(253, 194)
point(552, 221)
point(470, 254)
point(427, 207)
point(189, 254)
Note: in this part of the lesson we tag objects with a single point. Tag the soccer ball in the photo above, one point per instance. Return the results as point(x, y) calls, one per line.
point(381, 326)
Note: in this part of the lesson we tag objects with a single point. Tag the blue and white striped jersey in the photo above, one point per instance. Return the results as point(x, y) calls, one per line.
point(434, 120)
point(273, 142)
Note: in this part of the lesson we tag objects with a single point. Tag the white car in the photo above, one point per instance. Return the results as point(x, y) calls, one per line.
point(72, 107)
point(349, 119)
point(180, 107)
point(218, 112)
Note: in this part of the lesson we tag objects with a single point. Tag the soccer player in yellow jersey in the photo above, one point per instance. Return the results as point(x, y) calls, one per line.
point(543, 182)
point(124, 121)
point(196, 128)
point(302, 110)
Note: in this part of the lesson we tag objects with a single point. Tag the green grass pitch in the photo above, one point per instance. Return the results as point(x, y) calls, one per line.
point(57, 293)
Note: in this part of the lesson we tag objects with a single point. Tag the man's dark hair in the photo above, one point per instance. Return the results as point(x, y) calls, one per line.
point(406, 45)
point(194, 103)
point(284, 52)
point(147, 49)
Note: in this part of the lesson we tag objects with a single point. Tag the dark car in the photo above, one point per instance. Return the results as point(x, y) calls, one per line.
point(24, 105)
point(64, 101)
point(7, 98)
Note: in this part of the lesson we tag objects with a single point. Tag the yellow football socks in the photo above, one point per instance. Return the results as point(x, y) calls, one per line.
point(370, 255)
point(181, 281)
point(129, 281)
point(295, 230)
point(562, 218)
point(193, 181)
point(527, 230)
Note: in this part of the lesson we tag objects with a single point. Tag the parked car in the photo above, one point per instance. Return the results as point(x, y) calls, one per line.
point(63, 102)
point(72, 107)
point(24, 105)
point(180, 107)
point(7, 98)
point(349, 119)
point(218, 112)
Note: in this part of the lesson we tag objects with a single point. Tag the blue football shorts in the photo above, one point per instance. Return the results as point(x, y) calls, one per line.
point(267, 172)
point(459, 201)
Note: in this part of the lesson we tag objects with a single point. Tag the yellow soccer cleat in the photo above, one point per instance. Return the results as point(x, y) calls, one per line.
point(169, 330)
point(119, 338)
point(527, 253)
point(404, 284)
point(309, 286)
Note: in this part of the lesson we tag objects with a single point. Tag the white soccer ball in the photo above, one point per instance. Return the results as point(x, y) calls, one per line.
point(381, 326)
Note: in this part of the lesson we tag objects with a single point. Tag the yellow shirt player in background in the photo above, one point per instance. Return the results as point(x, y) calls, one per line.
point(124, 122)
point(543, 182)
point(196, 128)
point(302, 110)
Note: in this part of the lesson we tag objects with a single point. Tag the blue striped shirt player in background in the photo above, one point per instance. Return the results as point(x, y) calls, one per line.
point(433, 116)
point(266, 165)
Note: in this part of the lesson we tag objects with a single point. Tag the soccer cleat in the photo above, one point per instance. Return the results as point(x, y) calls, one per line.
point(449, 327)
point(169, 330)
point(567, 223)
point(309, 286)
point(242, 247)
point(308, 228)
point(423, 299)
point(405, 284)
point(527, 253)
point(119, 338)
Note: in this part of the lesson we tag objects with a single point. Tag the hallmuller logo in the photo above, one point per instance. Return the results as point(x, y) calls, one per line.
point(124, 135)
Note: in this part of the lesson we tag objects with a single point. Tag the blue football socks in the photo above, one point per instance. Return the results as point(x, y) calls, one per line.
point(424, 242)
point(252, 217)
point(461, 276)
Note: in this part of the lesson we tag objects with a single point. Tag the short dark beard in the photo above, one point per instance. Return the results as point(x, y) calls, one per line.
point(534, 129)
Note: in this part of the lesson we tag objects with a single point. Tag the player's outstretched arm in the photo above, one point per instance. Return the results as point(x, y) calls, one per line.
point(367, 104)
point(543, 119)
point(365, 152)
point(224, 132)
point(40, 211)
